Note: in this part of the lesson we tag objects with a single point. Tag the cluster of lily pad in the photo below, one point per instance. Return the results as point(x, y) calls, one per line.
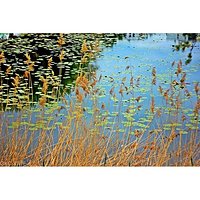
point(27, 59)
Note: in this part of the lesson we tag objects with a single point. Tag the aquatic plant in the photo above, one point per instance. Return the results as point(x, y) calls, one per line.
point(66, 131)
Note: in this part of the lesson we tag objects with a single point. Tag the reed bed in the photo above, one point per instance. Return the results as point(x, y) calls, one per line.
point(81, 141)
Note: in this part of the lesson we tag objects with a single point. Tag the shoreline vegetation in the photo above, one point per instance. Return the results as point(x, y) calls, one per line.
point(33, 98)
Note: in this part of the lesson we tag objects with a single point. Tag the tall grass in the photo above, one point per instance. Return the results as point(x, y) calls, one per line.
point(77, 141)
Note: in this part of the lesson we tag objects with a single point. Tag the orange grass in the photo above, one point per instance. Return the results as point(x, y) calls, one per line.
point(82, 143)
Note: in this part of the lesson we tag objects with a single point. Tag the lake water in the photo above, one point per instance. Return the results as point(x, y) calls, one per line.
point(136, 57)
point(127, 66)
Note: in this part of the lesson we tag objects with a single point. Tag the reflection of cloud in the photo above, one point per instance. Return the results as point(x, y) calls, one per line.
point(136, 36)
point(176, 37)
point(145, 36)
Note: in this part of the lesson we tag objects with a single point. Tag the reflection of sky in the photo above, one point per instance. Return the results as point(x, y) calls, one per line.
point(143, 55)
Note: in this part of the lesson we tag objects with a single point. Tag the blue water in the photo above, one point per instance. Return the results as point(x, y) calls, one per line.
point(141, 55)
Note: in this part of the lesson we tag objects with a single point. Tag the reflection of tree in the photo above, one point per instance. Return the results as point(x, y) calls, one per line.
point(193, 37)
point(182, 41)
point(45, 53)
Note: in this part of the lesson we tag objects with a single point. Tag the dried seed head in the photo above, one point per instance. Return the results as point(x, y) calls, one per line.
point(138, 82)
point(96, 46)
point(183, 78)
point(42, 101)
point(137, 133)
point(30, 66)
point(154, 81)
point(196, 88)
point(8, 70)
point(61, 56)
point(84, 59)
point(152, 104)
point(2, 58)
point(45, 86)
point(28, 57)
point(26, 74)
point(16, 81)
point(79, 96)
point(166, 95)
point(121, 90)
point(84, 48)
point(197, 107)
point(93, 83)
point(49, 62)
point(103, 106)
point(160, 89)
point(183, 117)
point(134, 145)
point(179, 68)
point(138, 98)
point(112, 90)
point(61, 40)
point(159, 112)
point(131, 81)
point(178, 103)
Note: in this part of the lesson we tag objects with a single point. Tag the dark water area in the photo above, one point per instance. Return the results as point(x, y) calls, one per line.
point(44, 51)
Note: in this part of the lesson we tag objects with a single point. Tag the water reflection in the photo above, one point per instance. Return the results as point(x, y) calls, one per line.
point(136, 56)
point(175, 37)
point(42, 48)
